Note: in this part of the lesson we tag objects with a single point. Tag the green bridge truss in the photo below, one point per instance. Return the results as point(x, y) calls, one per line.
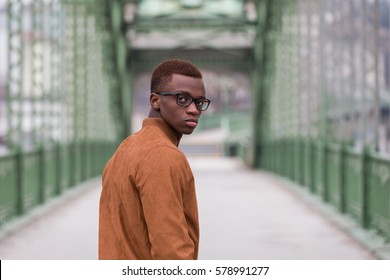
point(320, 72)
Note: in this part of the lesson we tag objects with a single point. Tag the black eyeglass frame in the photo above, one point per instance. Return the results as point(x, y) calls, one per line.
point(195, 100)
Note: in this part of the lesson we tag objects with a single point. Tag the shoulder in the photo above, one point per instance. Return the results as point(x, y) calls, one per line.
point(165, 153)
point(164, 158)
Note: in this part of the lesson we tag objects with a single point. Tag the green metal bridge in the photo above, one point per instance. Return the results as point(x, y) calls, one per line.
point(302, 87)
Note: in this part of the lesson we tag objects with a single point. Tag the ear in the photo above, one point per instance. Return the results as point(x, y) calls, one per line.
point(155, 101)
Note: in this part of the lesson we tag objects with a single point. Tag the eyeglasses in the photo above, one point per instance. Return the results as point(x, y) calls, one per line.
point(184, 100)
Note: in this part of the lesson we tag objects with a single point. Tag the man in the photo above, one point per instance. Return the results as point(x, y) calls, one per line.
point(148, 207)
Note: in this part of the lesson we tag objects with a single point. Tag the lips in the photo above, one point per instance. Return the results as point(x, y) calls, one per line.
point(191, 122)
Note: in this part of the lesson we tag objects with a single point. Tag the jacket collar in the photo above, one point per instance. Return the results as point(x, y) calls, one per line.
point(168, 131)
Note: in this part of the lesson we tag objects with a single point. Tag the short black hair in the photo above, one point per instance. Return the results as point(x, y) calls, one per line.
point(162, 73)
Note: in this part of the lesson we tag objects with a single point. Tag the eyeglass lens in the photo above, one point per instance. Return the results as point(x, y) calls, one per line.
point(185, 100)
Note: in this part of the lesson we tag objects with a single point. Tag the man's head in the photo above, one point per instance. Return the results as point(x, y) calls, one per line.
point(178, 95)
point(162, 74)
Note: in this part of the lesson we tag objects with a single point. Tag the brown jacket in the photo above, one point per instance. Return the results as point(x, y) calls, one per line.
point(148, 207)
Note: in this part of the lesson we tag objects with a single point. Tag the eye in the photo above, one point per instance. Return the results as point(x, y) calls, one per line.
point(200, 102)
point(183, 98)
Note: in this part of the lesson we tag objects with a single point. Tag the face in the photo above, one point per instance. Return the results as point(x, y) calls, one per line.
point(183, 119)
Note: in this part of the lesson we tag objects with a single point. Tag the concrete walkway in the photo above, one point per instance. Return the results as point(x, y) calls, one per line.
point(247, 214)
point(244, 214)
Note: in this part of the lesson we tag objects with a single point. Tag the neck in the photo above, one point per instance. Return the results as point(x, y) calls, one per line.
point(156, 114)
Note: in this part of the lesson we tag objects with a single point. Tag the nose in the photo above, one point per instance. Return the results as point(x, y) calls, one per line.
point(191, 109)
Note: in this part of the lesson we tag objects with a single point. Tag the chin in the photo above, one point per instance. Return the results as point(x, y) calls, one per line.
point(188, 132)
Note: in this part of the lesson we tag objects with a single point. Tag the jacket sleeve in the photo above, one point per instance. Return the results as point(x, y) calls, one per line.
point(162, 178)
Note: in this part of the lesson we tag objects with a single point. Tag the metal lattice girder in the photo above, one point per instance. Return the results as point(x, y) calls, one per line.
point(37, 89)
point(258, 71)
point(216, 27)
point(61, 71)
point(173, 14)
point(15, 70)
point(324, 102)
point(50, 74)
point(119, 66)
point(228, 59)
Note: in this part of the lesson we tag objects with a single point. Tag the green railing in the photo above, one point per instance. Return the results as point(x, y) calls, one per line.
point(355, 183)
point(31, 178)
